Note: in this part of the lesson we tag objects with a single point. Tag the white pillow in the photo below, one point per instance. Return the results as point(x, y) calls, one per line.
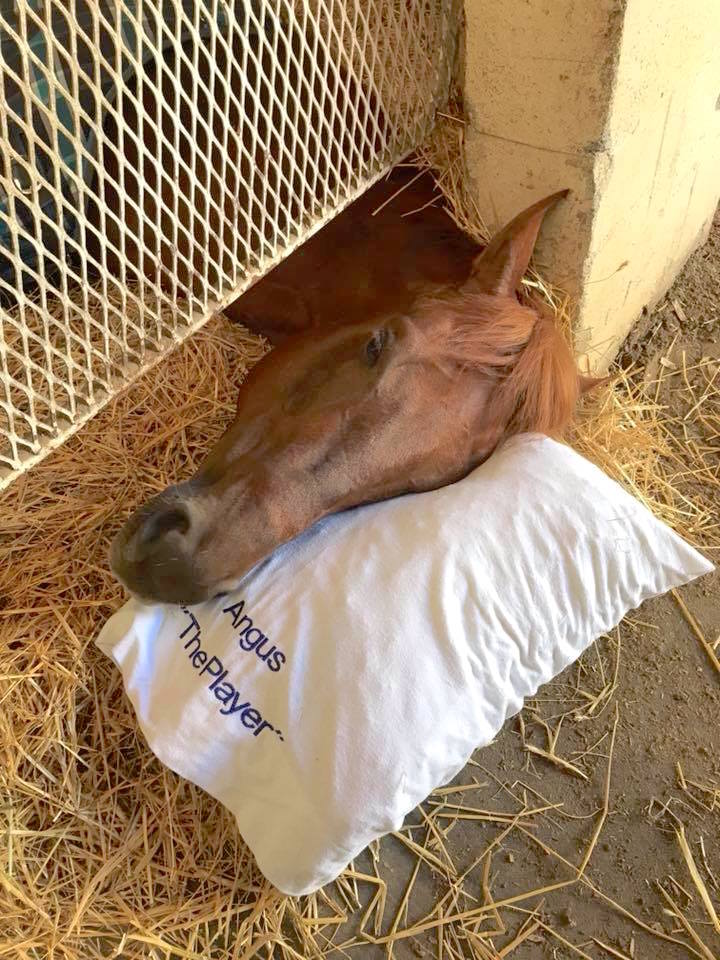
point(372, 655)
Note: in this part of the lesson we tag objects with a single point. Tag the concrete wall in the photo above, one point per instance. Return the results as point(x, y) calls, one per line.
point(618, 100)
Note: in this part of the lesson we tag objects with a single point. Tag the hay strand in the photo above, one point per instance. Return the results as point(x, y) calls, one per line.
point(695, 627)
point(696, 877)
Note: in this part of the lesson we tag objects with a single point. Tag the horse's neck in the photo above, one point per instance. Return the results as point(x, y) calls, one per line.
point(371, 260)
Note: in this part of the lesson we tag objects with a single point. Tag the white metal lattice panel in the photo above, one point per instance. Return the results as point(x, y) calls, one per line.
point(157, 156)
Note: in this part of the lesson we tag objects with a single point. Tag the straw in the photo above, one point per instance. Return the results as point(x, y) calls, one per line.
point(107, 853)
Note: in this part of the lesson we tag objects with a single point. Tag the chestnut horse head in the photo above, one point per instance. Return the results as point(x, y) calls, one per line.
point(331, 419)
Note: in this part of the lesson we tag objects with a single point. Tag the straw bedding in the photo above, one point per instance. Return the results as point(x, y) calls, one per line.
point(107, 854)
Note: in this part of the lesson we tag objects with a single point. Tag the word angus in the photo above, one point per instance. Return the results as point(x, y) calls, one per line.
point(250, 639)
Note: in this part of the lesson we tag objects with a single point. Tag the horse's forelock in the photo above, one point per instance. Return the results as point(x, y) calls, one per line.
point(519, 348)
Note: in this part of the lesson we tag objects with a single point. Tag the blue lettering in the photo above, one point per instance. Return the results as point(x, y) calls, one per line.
point(277, 661)
point(236, 609)
point(224, 691)
point(199, 658)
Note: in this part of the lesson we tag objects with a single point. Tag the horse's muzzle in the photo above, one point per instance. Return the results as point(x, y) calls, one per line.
point(152, 555)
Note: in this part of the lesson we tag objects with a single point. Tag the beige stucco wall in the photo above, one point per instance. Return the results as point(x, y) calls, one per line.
point(618, 100)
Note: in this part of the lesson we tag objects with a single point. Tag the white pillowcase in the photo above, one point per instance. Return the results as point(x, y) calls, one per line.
point(358, 668)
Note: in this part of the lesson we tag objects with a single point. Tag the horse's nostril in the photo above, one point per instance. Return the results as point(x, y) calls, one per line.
point(171, 519)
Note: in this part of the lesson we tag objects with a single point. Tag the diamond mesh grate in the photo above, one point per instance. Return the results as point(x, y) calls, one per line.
point(157, 157)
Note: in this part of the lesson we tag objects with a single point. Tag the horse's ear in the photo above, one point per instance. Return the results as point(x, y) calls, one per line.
point(500, 267)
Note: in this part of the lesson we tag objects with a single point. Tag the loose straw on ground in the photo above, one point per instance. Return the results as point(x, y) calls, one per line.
point(694, 626)
point(107, 853)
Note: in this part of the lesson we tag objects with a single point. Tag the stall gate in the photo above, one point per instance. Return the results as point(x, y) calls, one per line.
point(158, 156)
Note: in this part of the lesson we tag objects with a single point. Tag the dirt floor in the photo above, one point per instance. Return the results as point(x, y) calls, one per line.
point(654, 680)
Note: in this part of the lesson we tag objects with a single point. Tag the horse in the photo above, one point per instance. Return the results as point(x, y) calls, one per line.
point(349, 409)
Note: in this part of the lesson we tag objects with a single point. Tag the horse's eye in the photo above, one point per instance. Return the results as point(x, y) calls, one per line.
point(375, 346)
